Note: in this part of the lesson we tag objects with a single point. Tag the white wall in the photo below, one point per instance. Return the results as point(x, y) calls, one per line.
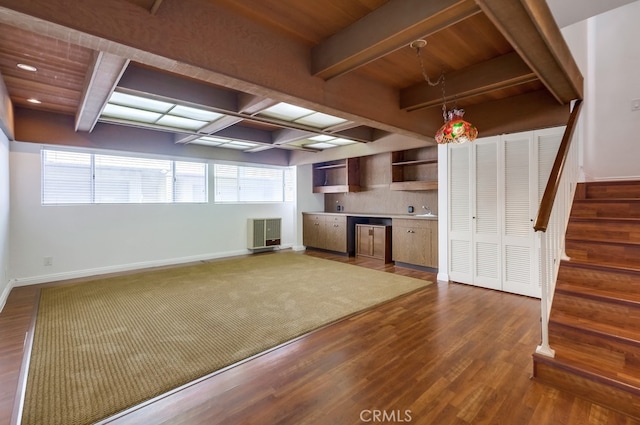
point(93, 239)
point(5, 287)
point(611, 148)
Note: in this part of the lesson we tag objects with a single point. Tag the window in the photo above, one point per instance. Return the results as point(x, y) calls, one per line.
point(87, 178)
point(236, 183)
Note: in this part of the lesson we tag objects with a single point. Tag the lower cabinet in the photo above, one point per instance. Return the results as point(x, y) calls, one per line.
point(373, 241)
point(415, 242)
point(325, 231)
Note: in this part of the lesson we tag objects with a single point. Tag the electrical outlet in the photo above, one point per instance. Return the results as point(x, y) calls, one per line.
point(48, 261)
point(635, 104)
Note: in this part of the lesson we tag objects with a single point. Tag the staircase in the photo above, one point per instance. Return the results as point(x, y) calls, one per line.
point(594, 326)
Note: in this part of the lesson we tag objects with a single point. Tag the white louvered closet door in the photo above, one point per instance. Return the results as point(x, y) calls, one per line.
point(486, 214)
point(520, 271)
point(460, 252)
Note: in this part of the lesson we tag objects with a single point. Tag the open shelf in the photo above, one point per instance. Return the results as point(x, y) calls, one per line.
point(338, 176)
point(414, 169)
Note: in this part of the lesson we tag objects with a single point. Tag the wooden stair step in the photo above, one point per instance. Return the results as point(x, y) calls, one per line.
point(624, 315)
point(580, 379)
point(598, 276)
point(591, 341)
point(620, 296)
point(613, 189)
point(604, 229)
point(606, 253)
point(606, 208)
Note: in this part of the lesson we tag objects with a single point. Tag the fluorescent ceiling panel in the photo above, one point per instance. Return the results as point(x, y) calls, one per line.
point(321, 138)
point(206, 142)
point(130, 114)
point(194, 113)
point(320, 145)
point(341, 141)
point(285, 111)
point(320, 120)
point(139, 102)
point(179, 122)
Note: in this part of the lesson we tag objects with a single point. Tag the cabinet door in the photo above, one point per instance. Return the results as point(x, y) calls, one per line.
point(364, 240)
point(313, 230)
point(411, 244)
point(335, 233)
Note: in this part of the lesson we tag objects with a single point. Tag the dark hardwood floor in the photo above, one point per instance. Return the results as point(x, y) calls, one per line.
point(447, 354)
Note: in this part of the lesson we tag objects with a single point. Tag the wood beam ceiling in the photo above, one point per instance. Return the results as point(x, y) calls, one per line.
point(502, 72)
point(386, 29)
point(529, 27)
point(104, 74)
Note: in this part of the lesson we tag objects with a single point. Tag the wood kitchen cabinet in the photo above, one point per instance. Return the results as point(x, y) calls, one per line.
point(325, 231)
point(415, 241)
point(373, 241)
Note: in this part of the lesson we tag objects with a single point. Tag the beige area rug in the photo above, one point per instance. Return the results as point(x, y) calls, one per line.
point(105, 345)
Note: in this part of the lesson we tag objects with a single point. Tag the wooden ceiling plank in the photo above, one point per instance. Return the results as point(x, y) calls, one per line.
point(498, 73)
point(102, 77)
point(386, 29)
point(529, 27)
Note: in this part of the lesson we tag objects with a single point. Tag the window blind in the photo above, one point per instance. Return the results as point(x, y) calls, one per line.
point(237, 183)
point(85, 178)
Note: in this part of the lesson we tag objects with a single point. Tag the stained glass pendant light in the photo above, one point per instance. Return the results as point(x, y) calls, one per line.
point(455, 129)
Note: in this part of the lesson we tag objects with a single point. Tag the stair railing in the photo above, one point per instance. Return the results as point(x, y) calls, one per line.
point(552, 220)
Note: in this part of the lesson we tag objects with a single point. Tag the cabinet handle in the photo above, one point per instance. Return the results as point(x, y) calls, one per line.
point(410, 231)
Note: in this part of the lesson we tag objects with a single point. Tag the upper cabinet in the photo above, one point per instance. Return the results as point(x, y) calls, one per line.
point(337, 176)
point(415, 169)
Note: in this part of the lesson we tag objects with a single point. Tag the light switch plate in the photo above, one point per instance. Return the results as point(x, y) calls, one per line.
point(635, 104)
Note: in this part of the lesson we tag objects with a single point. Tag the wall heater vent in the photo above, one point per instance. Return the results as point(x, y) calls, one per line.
point(263, 233)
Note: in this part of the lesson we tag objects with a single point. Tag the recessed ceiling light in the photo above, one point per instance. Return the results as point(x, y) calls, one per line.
point(36, 101)
point(26, 67)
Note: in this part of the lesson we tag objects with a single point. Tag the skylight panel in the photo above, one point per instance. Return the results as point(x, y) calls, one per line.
point(320, 145)
point(206, 141)
point(322, 138)
point(138, 102)
point(341, 141)
point(320, 120)
point(194, 113)
point(130, 114)
point(286, 111)
point(238, 145)
point(181, 123)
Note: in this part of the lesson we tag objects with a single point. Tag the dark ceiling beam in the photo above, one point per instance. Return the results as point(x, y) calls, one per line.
point(361, 134)
point(250, 104)
point(384, 30)
point(144, 80)
point(104, 73)
point(534, 110)
point(288, 135)
point(530, 28)
point(498, 73)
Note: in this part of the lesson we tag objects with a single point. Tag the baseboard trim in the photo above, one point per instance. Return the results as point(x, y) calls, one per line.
point(442, 277)
point(5, 295)
point(74, 274)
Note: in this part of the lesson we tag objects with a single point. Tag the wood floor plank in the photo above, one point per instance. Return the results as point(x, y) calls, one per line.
point(449, 354)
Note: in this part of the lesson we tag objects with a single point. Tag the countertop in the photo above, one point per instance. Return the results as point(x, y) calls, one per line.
point(373, 215)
